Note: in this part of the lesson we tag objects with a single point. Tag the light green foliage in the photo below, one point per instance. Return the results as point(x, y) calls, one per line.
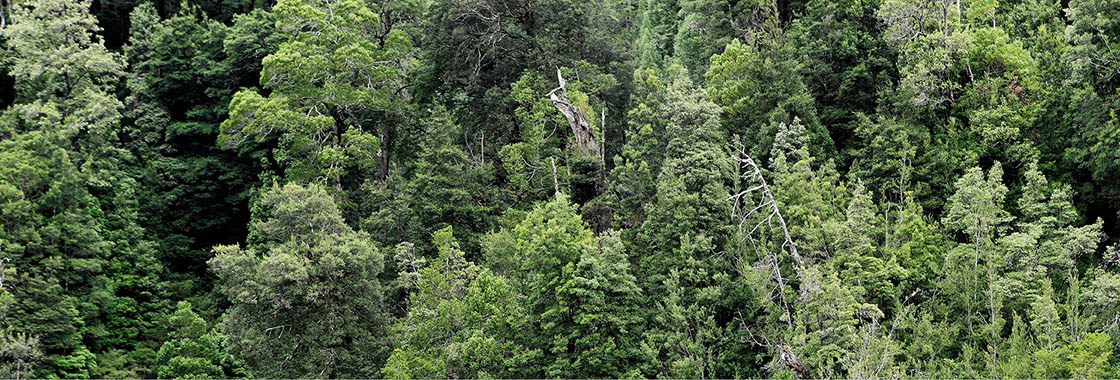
point(529, 161)
point(193, 352)
point(809, 194)
point(596, 319)
point(919, 246)
point(1103, 296)
point(1046, 242)
point(828, 324)
point(971, 269)
point(683, 334)
point(90, 278)
point(546, 137)
point(19, 351)
point(870, 273)
point(885, 161)
point(580, 298)
point(334, 86)
point(787, 189)
point(311, 282)
point(1085, 359)
point(472, 313)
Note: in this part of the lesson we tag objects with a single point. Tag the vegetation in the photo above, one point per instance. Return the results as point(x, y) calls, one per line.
point(559, 189)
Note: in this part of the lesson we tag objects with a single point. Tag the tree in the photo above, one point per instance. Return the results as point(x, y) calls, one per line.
point(472, 313)
point(183, 72)
point(71, 217)
point(695, 330)
point(1092, 61)
point(758, 87)
point(829, 316)
point(447, 186)
point(632, 180)
point(846, 63)
point(596, 318)
point(692, 186)
point(310, 283)
point(19, 350)
point(705, 28)
point(658, 22)
point(193, 351)
point(332, 82)
point(1085, 359)
point(976, 211)
point(580, 298)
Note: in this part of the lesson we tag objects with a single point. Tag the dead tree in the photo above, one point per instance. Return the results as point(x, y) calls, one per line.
point(758, 217)
point(2, 274)
point(766, 205)
point(581, 125)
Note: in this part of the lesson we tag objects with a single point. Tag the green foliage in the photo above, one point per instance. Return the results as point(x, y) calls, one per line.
point(204, 189)
point(311, 283)
point(758, 87)
point(331, 83)
point(692, 183)
point(193, 352)
point(579, 295)
point(658, 20)
point(470, 311)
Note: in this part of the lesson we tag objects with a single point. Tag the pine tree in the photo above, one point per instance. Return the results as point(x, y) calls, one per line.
point(580, 298)
point(692, 186)
point(92, 279)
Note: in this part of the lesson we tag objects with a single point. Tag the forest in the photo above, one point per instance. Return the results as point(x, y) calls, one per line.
point(698, 189)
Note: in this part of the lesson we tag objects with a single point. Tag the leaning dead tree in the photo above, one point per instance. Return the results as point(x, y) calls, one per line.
point(765, 209)
point(760, 222)
point(581, 125)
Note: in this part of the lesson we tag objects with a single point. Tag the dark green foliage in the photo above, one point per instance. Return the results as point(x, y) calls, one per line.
point(759, 87)
point(386, 188)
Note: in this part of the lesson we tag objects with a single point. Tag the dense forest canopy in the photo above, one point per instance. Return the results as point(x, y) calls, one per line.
point(560, 189)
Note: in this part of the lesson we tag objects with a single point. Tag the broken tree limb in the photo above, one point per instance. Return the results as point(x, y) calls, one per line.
point(581, 126)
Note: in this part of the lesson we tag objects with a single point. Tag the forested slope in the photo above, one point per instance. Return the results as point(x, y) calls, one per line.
point(560, 189)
